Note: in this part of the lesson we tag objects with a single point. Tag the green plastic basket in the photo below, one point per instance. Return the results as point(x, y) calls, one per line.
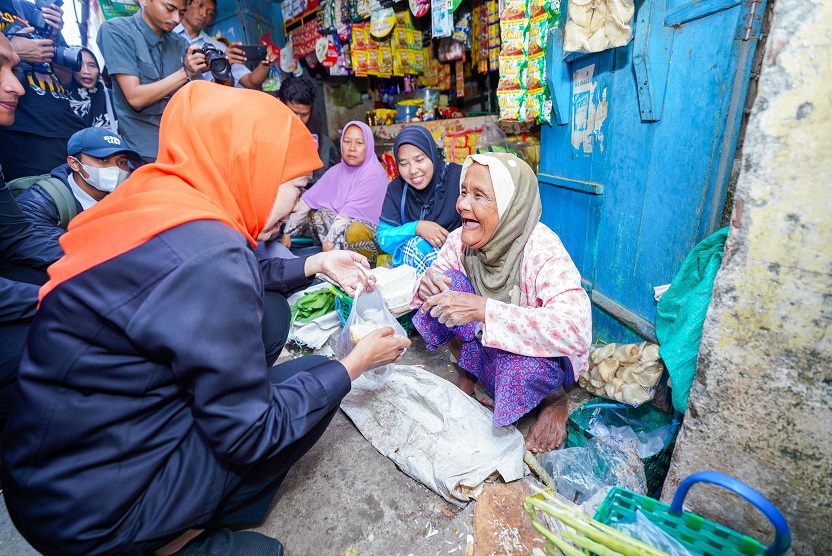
point(655, 466)
point(343, 304)
point(696, 533)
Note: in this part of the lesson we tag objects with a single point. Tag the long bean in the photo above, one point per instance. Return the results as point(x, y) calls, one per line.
point(592, 535)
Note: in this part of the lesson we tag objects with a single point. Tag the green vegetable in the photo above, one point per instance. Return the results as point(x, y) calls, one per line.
point(598, 538)
point(313, 305)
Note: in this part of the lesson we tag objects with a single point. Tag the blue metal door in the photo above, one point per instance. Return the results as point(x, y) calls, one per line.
point(635, 167)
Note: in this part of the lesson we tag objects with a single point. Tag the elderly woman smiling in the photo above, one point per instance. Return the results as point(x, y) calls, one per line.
point(508, 297)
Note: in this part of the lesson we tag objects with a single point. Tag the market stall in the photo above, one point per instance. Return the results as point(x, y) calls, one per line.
point(449, 66)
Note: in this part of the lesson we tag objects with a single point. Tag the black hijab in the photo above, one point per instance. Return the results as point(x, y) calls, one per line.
point(437, 201)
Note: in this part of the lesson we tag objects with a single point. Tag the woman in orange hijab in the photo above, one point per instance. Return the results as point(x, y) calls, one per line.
point(146, 418)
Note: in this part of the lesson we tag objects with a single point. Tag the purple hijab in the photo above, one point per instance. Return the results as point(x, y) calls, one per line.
point(354, 191)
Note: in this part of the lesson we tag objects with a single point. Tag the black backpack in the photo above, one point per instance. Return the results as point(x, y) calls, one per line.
point(56, 189)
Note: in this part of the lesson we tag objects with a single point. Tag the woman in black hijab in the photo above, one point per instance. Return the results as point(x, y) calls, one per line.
point(90, 98)
point(420, 206)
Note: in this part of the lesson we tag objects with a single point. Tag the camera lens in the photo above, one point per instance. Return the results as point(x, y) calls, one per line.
point(68, 57)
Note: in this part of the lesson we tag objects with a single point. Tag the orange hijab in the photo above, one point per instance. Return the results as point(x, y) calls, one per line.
point(223, 152)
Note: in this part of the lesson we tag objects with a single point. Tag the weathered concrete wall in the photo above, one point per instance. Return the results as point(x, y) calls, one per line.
point(761, 407)
point(338, 116)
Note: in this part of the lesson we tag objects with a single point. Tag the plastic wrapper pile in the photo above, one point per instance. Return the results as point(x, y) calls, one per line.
point(624, 372)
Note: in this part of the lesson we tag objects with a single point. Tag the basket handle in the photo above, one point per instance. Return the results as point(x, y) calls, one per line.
point(782, 535)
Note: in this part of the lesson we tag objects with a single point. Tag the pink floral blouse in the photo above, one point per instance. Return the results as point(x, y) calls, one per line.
point(554, 317)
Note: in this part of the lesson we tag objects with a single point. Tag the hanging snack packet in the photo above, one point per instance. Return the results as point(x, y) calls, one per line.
point(418, 61)
point(403, 19)
point(373, 63)
point(512, 105)
point(460, 80)
point(385, 60)
point(441, 21)
point(462, 30)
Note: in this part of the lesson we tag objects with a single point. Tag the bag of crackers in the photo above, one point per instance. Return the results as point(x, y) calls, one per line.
point(368, 314)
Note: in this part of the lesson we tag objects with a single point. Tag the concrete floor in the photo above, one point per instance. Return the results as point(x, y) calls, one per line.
point(344, 498)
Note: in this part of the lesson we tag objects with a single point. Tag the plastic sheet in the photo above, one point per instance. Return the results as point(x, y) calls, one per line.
point(645, 438)
point(581, 472)
point(645, 530)
point(433, 431)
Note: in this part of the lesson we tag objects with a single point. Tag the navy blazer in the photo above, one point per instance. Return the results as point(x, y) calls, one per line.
point(144, 387)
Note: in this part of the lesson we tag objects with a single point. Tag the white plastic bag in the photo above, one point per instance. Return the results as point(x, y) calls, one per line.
point(368, 314)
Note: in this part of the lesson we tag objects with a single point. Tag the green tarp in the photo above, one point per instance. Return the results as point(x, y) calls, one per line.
point(681, 312)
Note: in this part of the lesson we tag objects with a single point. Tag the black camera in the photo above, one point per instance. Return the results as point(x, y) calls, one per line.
point(64, 56)
point(38, 21)
point(218, 64)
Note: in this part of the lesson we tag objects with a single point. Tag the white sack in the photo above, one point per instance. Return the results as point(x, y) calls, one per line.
point(434, 432)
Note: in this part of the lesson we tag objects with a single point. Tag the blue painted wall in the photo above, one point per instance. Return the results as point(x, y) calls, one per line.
point(248, 20)
point(637, 171)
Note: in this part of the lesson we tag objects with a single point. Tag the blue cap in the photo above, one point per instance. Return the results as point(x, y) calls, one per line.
point(99, 142)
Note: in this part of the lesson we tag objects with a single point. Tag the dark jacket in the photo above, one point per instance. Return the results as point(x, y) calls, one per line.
point(145, 388)
point(21, 247)
point(40, 208)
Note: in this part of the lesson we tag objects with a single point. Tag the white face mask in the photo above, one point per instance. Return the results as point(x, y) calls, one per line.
point(104, 179)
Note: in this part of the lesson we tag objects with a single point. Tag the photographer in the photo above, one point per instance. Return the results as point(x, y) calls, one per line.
point(148, 63)
point(36, 142)
point(198, 16)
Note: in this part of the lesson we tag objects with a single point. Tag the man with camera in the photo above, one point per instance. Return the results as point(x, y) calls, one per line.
point(198, 16)
point(36, 142)
point(148, 63)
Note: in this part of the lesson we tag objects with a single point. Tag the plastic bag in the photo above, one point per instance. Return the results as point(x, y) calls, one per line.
point(645, 431)
point(492, 139)
point(368, 314)
point(624, 372)
point(346, 95)
point(643, 529)
point(581, 472)
point(593, 26)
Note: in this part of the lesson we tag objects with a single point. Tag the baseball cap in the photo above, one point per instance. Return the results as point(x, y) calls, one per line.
point(99, 142)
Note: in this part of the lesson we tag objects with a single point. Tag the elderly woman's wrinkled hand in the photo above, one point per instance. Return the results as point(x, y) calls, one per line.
point(433, 282)
point(455, 308)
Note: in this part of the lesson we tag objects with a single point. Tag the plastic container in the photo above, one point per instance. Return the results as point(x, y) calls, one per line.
point(696, 533)
point(406, 109)
point(655, 466)
point(429, 98)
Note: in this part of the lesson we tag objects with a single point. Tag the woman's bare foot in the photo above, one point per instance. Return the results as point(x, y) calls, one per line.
point(466, 381)
point(549, 431)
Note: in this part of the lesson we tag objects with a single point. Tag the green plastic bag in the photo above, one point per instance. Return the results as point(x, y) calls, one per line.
point(346, 95)
point(681, 312)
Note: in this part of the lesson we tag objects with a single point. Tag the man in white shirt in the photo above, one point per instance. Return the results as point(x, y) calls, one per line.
point(198, 15)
